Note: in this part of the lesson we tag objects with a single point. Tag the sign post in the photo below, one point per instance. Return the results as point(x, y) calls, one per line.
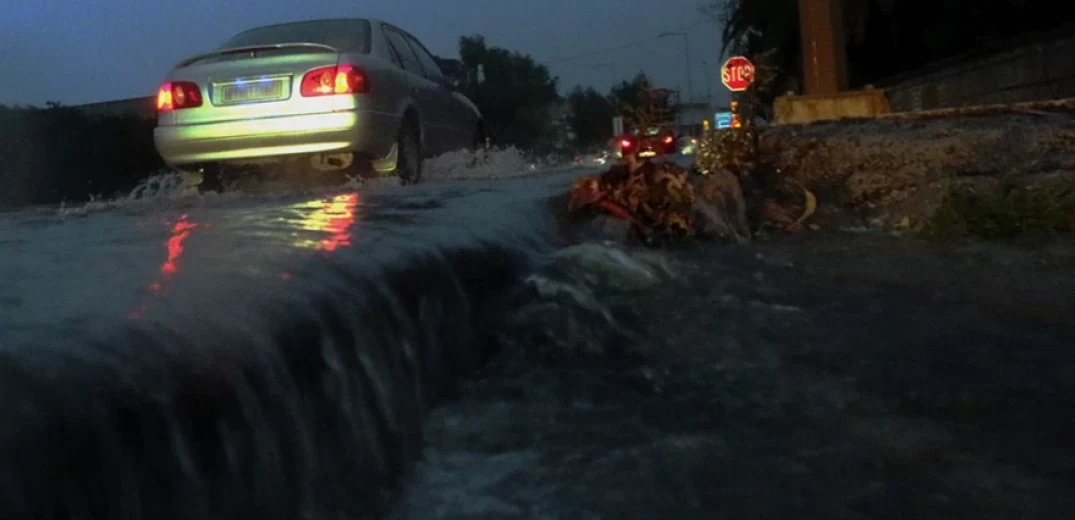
point(617, 126)
point(723, 120)
point(737, 73)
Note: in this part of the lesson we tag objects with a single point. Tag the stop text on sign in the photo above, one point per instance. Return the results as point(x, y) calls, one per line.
point(737, 73)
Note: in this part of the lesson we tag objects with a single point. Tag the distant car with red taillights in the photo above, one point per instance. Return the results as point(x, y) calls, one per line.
point(649, 144)
point(343, 95)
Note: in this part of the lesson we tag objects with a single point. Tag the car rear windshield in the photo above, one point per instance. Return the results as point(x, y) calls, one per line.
point(351, 35)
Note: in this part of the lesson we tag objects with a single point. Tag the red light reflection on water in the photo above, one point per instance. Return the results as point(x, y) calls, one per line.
point(334, 218)
point(341, 216)
point(180, 231)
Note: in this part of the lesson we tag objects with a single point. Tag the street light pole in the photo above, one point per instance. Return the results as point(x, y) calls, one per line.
point(686, 52)
point(708, 85)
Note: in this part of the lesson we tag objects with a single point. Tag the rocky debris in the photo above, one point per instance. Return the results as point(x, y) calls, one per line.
point(904, 165)
point(659, 202)
point(721, 206)
point(655, 198)
point(1011, 167)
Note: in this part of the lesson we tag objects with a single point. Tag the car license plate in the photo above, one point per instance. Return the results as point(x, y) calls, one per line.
point(647, 153)
point(252, 91)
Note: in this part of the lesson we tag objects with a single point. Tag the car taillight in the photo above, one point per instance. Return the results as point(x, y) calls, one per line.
point(625, 143)
point(670, 144)
point(176, 95)
point(341, 79)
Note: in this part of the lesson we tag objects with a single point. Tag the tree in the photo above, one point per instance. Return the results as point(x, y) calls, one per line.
point(516, 96)
point(643, 104)
point(454, 70)
point(757, 28)
point(590, 116)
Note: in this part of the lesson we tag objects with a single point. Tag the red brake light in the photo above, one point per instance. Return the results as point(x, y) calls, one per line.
point(668, 139)
point(625, 143)
point(175, 95)
point(341, 79)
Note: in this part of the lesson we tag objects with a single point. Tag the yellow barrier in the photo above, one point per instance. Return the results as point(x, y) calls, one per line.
point(805, 109)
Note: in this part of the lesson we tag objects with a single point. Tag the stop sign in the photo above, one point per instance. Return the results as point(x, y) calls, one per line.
point(737, 73)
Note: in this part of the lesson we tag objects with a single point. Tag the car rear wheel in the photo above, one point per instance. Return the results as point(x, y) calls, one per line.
point(211, 179)
point(480, 140)
point(409, 155)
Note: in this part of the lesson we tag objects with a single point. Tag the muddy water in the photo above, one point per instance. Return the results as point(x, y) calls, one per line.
point(840, 376)
point(246, 356)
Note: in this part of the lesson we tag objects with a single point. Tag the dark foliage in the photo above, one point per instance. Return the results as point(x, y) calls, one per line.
point(590, 116)
point(886, 38)
point(1008, 213)
point(54, 154)
point(641, 103)
point(516, 96)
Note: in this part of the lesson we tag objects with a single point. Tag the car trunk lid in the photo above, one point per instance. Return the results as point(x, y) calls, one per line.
point(254, 82)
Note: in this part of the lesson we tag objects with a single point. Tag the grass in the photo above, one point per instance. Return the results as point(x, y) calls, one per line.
point(1009, 213)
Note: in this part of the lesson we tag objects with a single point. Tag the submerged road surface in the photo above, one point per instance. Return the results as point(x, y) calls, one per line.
point(245, 357)
point(276, 358)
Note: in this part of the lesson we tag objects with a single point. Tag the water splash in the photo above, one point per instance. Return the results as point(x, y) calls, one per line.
point(495, 163)
point(175, 187)
point(165, 187)
point(568, 340)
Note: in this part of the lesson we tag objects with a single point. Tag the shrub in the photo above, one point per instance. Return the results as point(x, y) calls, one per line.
point(1006, 213)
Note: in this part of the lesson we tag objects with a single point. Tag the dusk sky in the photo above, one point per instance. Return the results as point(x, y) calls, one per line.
point(81, 51)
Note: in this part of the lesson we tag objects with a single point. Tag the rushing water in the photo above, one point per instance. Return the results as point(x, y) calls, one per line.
point(250, 357)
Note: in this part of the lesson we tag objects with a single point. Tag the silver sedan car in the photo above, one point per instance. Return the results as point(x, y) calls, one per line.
point(353, 96)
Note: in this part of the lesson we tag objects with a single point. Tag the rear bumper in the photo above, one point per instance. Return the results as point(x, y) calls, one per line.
point(363, 131)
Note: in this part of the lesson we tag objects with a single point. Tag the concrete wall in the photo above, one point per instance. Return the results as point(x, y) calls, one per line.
point(1031, 71)
point(143, 107)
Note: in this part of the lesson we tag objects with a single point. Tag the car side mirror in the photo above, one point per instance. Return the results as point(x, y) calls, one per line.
point(452, 83)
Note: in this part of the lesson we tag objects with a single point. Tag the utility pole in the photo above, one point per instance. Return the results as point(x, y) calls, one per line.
point(824, 55)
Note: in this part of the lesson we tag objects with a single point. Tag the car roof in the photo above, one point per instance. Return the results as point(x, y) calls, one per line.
point(372, 21)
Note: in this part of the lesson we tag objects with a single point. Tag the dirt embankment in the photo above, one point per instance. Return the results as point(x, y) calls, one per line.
point(901, 166)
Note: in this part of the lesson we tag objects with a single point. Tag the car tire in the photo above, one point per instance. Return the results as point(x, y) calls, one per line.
point(409, 155)
point(211, 180)
point(480, 141)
